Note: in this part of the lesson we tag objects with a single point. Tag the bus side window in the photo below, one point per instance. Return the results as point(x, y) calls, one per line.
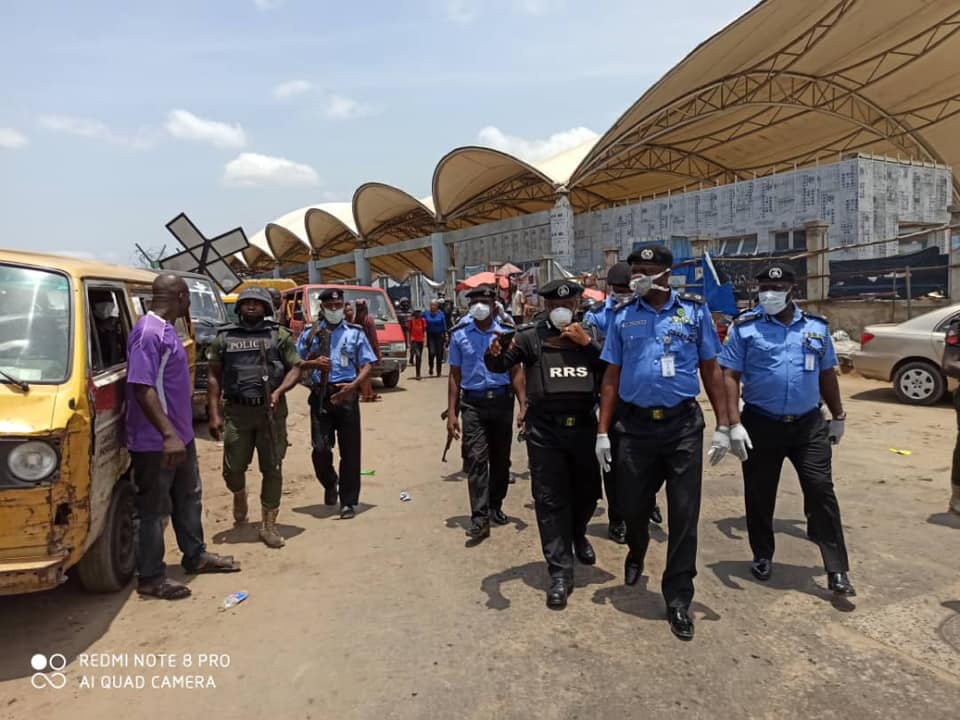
point(298, 308)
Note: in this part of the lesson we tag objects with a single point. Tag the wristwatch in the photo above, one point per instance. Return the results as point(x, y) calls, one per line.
point(842, 416)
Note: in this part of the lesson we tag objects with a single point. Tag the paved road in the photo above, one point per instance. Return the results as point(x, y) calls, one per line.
point(390, 616)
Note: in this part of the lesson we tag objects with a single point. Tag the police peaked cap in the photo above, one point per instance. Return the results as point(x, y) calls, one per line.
point(482, 292)
point(254, 293)
point(331, 294)
point(655, 254)
point(560, 289)
point(777, 273)
point(619, 274)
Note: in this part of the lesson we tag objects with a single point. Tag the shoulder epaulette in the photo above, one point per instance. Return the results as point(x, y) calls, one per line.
point(821, 318)
point(625, 304)
point(458, 327)
point(747, 316)
point(527, 326)
point(353, 325)
point(692, 297)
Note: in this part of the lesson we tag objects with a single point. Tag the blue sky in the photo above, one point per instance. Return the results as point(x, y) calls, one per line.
point(115, 116)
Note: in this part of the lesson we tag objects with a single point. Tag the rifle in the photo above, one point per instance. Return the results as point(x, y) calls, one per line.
point(324, 351)
point(268, 392)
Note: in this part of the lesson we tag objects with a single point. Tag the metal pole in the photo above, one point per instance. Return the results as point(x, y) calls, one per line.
point(909, 294)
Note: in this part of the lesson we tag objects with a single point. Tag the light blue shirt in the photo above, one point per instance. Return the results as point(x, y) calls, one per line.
point(349, 351)
point(640, 337)
point(780, 365)
point(602, 317)
point(468, 343)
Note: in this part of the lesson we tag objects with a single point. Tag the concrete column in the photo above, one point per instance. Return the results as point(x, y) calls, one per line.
point(701, 244)
point(441, 255)
point(561, 231)
point(818, 266)
point(314, 274)
point(361, 266)
point(276, 271)
point(611, 256)
point(953, 254)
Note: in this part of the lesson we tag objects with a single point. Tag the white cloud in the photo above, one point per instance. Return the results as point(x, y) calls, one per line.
point(462, 12)
point(95, 129)
point(290, 88)
point(340, 107)
point(10, 139)
point(255, 170)
point(534, 150)
point(268, 4)
point(187, 126)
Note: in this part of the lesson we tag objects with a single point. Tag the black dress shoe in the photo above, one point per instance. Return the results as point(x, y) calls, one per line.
point(617, 531)
point(347, 512)
point(499, 516)
point(761, 569)
point(631, 571)
point(584, 551)
point(479, 529)
point(680, 623)
point(560, 589)
point(330, 496)
point(656, 517)
point(840, 584)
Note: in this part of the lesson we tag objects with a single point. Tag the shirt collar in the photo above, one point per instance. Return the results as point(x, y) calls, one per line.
point(797, 316)
point(674, 298)
point(493, 326)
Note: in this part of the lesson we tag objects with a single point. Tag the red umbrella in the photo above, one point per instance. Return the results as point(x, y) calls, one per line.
point(509, 269)
point(482, 278)
point(594, 294)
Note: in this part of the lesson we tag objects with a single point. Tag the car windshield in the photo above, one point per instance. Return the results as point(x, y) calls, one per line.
point(377, 303)
point(205, 304)
point(34, 325)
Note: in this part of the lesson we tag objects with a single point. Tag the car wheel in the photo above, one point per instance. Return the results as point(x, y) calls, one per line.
point(919, 383)
point(390, 379)
point(110, 562)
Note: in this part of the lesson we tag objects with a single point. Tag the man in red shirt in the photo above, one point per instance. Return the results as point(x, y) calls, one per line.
point(417, 329)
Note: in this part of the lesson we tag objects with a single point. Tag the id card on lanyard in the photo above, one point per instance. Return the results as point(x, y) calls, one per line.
point(668, 366)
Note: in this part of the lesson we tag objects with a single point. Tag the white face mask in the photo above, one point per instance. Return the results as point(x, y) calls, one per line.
point(334, 317)
point(480, 311)
point(642, 284)
point(560, 317)
point(773, 301)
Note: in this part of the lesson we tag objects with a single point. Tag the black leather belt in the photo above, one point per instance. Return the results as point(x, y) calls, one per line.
point(658, 414)
point(488, 394)
point(246, 402)
point(753, 409)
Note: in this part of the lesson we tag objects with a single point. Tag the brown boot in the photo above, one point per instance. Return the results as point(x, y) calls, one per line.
point(240, 506)
point(268, 529)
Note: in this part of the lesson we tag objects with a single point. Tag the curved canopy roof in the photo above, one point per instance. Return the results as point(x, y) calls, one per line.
point(791, 84)
point(386, 215)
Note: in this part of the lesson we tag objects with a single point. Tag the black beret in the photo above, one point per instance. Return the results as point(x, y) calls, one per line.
point(777, 272)
point(482, 292)
point(619, 274)
point(656, 254)
point(331, 293)
point(255, 293)
point(559, 289)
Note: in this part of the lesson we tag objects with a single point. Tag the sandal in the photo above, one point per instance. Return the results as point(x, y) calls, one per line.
point(211, 563)
point(165, 589)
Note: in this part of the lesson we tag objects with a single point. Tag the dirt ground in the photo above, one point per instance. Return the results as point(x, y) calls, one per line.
point(390, 616)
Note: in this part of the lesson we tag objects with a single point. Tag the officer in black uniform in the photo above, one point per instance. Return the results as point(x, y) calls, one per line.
point(563, 371)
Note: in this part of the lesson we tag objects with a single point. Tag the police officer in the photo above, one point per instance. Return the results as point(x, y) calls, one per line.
point(563, 370)
point(787, 361)
point(485, 399)
point(648, 405)
point(340, 358)
point(951, 368)
point(618, 292)
point(254, 363)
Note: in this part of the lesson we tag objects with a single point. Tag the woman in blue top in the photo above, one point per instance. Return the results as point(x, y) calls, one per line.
point(436, 333)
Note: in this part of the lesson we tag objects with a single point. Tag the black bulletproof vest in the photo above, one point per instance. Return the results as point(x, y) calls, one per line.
point(246, 353)
point(562, 379)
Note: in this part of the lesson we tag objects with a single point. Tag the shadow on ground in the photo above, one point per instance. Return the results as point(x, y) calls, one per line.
point(785, 577)
point(947, 519)
point(462, 522)
point(732, 525)
point(643, 603)
point(534, 575)
point(250, 533)
point(888, 396)
point(322, 512)
point(599, 530)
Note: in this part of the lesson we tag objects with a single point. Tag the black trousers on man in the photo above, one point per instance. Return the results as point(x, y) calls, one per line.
point(806, 443)
point(565, 478)
point(955, 470)
point(434, 351)
point(652, 447)
point(416, 355)
point(610, 488)
point(331, 424)
point(487, 428)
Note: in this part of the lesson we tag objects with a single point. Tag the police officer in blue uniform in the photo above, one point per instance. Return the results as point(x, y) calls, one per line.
point(787, 361)
point(334, 406)
point(654, 348)
point(618, 289)
point(485, 400)
point(563, 369)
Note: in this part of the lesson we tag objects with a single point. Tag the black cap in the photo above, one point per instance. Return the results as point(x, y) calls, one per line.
point(777, 273)
point(619, 274)
point(560, 289)
point(656, 254)
point(331, 294)
point(254, 293)
point(482, 292)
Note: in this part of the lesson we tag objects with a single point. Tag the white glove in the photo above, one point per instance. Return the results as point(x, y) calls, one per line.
point(604, 454)
point(719, 445)
point(836, 431)
point(740, 441)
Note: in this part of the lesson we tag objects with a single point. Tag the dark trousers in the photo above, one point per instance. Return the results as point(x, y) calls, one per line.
point(487, 428)
point(434, 351)
point(955, 471)
point(807, 445)
point(163, 492)
point(649, 453)
point(416, 355)
point(331, 424)
point(566, 486)
point(610, 488)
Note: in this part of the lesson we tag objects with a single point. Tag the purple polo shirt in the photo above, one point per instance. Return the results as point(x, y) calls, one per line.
point(155, 357)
